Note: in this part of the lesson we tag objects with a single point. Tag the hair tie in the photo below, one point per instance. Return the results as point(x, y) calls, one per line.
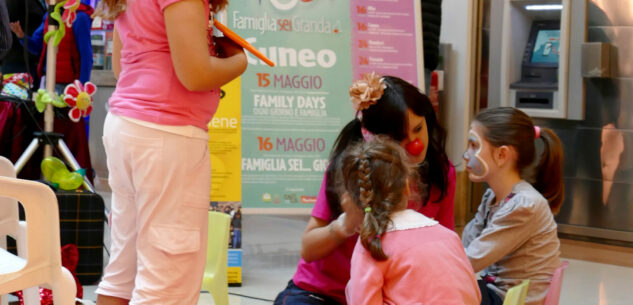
point(367, 135)
point(367, 209)
point(537, 132)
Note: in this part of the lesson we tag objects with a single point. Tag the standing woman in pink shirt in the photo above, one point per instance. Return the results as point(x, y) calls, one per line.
point(169, 70)
point(402, 256)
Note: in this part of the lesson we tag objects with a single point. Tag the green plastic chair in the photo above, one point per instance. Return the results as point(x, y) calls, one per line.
point(517, 294)
point(215, 271)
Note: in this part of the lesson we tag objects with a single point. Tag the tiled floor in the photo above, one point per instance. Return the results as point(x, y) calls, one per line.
point(271, 250)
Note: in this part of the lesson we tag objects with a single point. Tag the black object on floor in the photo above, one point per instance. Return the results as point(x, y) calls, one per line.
point(81, 217)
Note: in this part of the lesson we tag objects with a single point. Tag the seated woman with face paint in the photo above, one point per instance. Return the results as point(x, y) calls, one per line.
point(391, 107)
point(513, 236)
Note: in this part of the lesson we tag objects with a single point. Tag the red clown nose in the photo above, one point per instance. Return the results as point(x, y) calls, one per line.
point(415, 147)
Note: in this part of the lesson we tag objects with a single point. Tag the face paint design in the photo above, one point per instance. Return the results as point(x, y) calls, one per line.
point(477, 167)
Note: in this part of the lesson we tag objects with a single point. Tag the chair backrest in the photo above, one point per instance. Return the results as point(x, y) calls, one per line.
point(42, 218)
point(8, 206)
point(517, 294)
point(553, 292)
point(6, 168)
point(215, 272)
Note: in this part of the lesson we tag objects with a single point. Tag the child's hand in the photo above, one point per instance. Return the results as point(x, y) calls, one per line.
point(354, 215)
point(227, 48)
point(17, 29)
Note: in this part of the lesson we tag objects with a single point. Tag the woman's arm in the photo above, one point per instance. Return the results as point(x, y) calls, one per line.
point(321, 237)
point(33, 44)
point(186, 22)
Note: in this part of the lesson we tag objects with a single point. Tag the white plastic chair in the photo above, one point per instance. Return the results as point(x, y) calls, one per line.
point(10, 225)
point(43, 264)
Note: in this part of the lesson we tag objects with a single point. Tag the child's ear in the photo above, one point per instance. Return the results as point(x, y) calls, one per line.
point(503, 155)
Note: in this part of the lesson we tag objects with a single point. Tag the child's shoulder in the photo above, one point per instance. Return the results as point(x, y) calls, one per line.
point(525, 196)
point(428, 234)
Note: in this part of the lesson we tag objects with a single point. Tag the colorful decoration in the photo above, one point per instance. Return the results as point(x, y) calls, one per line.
point(70, 8)
point(55, 171)
point(42, 98)
point(12, 89)
point(79, 98)
point(21, 79)
point(59, 33)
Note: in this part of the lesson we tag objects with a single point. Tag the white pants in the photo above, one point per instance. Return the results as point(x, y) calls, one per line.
point(160, 199)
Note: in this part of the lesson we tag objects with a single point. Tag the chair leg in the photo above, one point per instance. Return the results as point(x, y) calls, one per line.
point(31, 296)
point(64, 289)
point(4, 299)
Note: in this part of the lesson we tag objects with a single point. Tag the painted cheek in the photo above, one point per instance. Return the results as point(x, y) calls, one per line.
point(476, 167)
point(473, 163)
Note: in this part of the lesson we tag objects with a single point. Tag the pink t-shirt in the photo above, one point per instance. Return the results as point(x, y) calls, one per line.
point(148, 88)
point(330, 274)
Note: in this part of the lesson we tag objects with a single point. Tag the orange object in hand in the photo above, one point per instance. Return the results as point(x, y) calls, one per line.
point(240, 41)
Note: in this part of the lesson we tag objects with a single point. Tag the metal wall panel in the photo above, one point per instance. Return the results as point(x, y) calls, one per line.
point(598, 166)
point(622, 43)
point(610, 13)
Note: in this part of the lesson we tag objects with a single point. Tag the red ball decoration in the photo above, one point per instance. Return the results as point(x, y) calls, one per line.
point(415, 147)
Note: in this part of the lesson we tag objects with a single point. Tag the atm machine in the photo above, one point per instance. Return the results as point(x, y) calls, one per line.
point(552, 51)
point(536, 60)
point(538, 86)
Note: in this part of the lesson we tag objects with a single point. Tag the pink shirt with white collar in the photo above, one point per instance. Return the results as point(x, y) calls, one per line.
point(433, 270)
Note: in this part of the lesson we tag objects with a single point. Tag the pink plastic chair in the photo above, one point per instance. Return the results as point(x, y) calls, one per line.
point(553, 293)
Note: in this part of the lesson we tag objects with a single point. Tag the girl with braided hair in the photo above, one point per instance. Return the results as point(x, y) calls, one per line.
point(385, 106)
point(402, 256)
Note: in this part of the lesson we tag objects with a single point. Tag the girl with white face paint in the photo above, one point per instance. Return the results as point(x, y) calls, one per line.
point(513, 235)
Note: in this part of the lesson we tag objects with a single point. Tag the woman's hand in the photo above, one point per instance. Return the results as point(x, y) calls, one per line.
point(350, 221)
point(17, 29)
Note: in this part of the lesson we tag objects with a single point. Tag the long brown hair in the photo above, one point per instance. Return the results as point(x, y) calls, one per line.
point(110, 9)
point(389, 117)
point(374, 174)
point(510, 126)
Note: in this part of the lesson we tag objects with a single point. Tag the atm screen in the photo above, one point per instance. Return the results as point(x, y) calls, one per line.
point(546, 47)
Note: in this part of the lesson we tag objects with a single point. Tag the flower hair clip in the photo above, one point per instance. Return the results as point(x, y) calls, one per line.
point(366, 91)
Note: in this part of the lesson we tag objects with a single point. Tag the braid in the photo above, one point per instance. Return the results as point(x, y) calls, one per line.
point(364, 181)
point(374, 175)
